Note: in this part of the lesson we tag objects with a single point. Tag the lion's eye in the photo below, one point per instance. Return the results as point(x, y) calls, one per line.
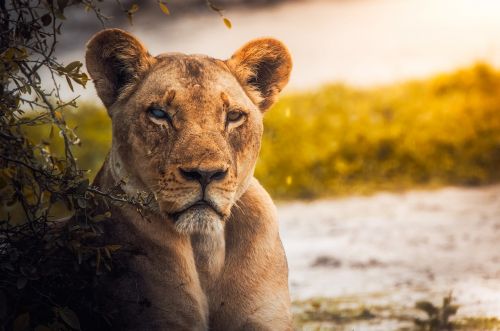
point(234, 116)
point(158, 113)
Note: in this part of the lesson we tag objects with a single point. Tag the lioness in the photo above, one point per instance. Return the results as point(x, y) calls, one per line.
point(187, 129)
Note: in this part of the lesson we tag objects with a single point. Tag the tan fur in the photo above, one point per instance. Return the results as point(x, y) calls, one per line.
point(269, 61)
point(217, 266)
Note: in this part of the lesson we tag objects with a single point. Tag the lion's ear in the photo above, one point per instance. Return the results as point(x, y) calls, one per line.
point(115, 60)
point(263, 68)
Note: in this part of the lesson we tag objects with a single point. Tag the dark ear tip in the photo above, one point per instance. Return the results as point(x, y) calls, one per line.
point(108, 35)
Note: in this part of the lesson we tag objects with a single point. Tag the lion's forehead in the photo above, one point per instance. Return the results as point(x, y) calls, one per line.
point(195, 79)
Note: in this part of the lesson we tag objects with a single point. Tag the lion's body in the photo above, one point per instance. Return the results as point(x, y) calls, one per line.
point(206, 255)
point(237, 281)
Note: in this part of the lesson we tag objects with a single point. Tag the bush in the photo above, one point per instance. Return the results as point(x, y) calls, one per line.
point(49, 267)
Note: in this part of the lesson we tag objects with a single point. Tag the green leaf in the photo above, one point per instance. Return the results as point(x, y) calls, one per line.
point(69, 317)
point(70, 84)
point(164, 8)
point(73, 65)
point(227, 23)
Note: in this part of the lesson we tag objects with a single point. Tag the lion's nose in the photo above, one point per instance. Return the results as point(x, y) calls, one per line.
point(203, 176)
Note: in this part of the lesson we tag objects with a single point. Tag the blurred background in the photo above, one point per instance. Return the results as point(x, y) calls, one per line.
point(383, 153)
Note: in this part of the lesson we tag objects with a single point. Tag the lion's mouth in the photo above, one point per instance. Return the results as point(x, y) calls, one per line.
point(198, 205)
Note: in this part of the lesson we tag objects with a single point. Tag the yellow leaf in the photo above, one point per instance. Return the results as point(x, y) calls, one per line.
point(9, 54)
point(58, 115)
point(164, 8)
point(289, 180)
point(113, 248)
point(9, 172)
point(227, 22)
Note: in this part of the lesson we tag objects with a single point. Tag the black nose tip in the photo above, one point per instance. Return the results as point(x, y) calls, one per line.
point(203, 176)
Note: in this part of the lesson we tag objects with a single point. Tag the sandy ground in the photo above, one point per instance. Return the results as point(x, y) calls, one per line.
point(395, 249)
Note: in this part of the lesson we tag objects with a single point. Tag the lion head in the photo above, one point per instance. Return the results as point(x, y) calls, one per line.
point(186, 128)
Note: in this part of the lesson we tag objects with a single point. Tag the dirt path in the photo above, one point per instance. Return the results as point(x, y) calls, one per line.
point(395, 249)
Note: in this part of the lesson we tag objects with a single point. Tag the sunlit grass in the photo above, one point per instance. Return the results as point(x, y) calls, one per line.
point(341, 140)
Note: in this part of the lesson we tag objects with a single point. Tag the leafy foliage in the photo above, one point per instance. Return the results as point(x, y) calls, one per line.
point(33, 179)
point(50, 264)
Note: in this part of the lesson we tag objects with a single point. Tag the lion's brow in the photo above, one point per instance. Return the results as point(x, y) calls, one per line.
point(225, 99)
point(168, 97)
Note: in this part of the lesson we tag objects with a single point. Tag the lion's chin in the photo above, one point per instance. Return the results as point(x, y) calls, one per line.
point(200, 220)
